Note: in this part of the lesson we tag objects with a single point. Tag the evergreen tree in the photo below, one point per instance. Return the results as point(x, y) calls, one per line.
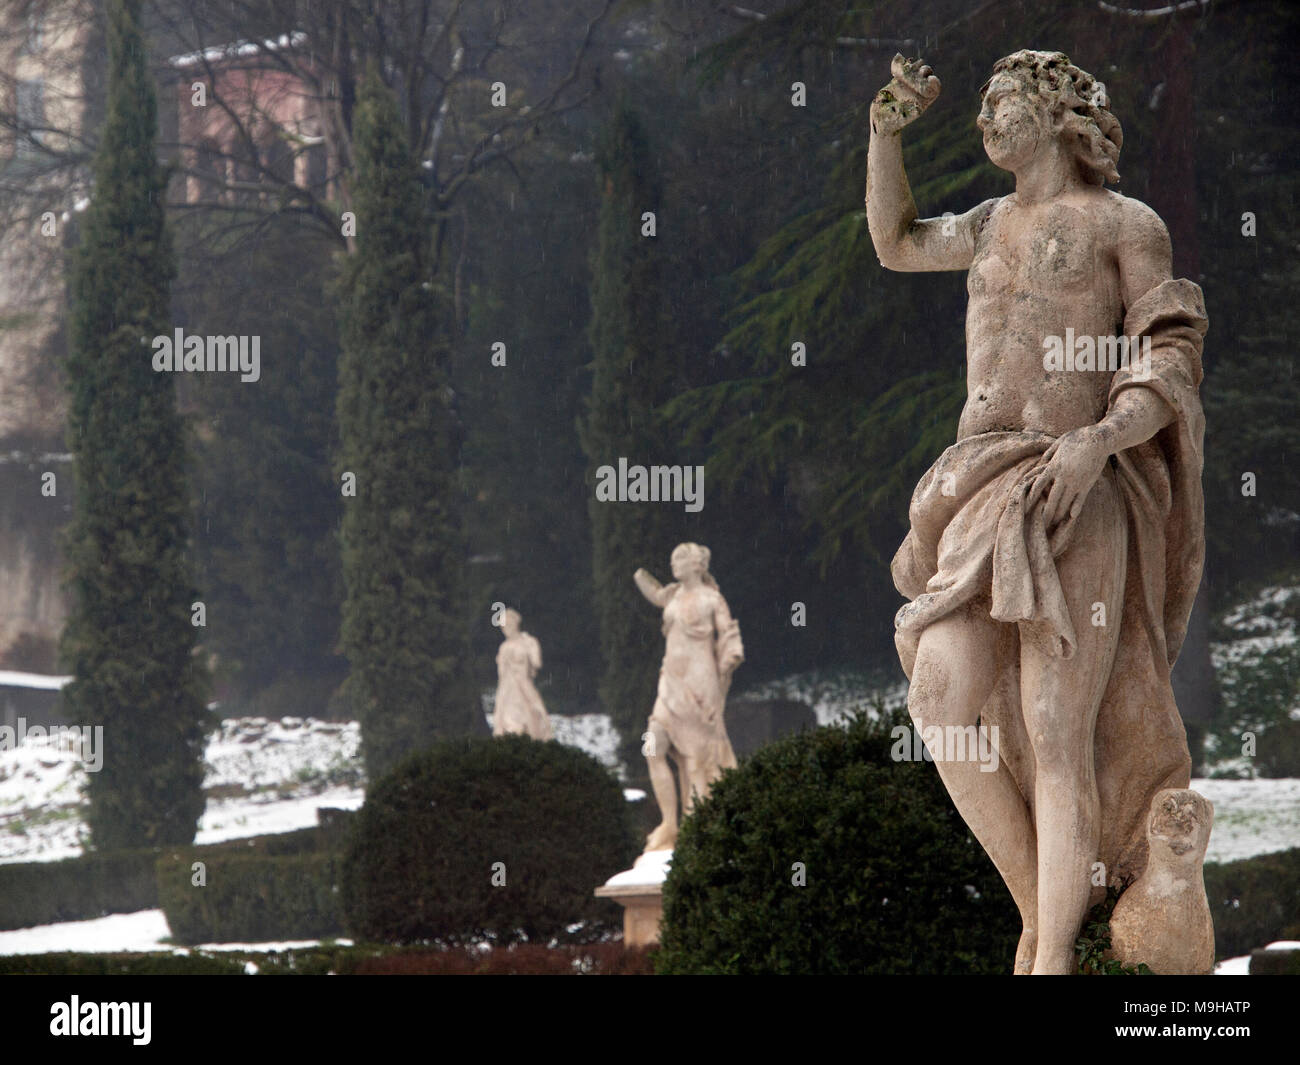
point(129, 638)
point(404, 627)
point(270, 504)
point(634, 370)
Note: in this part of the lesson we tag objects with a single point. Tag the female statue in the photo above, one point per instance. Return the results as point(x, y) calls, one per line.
point(519, 708)
point(702, 649)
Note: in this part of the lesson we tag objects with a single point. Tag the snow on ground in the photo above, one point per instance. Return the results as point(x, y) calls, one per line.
point(226, 819)
point(1251, 817)
point(262, 777)
point(123, 932)
point(119, 931)
point(593, 733)
point(1259, 630)
point(834, 693)
point(1260, 624)
point(252, 753)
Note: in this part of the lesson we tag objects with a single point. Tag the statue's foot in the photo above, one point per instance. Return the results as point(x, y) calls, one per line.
point(662, 838)
point(1025, 952)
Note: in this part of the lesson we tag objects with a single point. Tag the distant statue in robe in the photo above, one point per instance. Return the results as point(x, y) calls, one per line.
point(519, 707)
point(702, 649)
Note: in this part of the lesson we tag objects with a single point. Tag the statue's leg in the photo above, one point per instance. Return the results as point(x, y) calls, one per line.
point(687, 780)
point(698, 775)
point(1060, 699)
point(956, 668)
point(664, 787)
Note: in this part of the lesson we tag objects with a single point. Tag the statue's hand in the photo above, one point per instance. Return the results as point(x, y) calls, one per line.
point(911, 90)
point(1074, 462)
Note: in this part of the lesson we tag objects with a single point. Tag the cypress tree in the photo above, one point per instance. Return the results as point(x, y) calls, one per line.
point(404, 627)
point(634, 372)
point(129, 640)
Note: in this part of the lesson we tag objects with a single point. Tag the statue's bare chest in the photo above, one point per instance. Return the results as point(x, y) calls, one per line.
point(1053, 250)
point(692, 613)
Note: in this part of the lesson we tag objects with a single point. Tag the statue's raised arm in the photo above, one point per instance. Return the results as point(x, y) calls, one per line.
point(656, 593)
point(902, 240)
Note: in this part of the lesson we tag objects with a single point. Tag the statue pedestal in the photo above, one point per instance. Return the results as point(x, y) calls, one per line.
point(639, 891)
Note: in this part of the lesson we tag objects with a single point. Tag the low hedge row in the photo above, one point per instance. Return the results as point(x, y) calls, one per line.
point(36, 893)
point(69, 964)
point(97, 884)
point(247, 898)
point(1254, 901)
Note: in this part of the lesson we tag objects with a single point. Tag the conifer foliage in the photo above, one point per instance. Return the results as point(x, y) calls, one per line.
point(129, 640)
point(634, 372)
point(404, 629)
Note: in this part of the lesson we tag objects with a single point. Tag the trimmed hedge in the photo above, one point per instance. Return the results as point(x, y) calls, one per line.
point(1275, 963)
point(894, 881)
point(70, 964)
point(100, 883)
point(1253, 902)
point(437, 830)
point(93, 885)
point(249, 897)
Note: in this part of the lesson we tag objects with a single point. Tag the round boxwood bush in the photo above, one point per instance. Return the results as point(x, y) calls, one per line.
point(500, 838)
point(893, 881)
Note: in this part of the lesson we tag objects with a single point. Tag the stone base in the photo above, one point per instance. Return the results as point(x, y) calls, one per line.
point(639, 891)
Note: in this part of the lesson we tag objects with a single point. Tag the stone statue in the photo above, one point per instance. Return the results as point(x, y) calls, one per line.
point(1163, 917)
point(702, 649)
point(519, 707)
point(1056, 547)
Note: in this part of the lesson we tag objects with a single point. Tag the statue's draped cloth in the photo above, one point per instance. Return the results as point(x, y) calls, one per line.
point(690, 702)
point(973, 536)
point(519, 706)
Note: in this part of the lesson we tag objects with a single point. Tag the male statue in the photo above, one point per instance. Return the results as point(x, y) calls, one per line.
point(1056, 547)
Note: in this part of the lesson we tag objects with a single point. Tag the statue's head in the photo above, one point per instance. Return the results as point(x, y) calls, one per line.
point(1034, 96)
point(510, 621)
point(1180, 825)
point(690, 559)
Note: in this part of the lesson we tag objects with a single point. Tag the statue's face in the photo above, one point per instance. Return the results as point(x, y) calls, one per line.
point(510, 624)
point(1178, 821)
point(684, 565)
point(1013, 123)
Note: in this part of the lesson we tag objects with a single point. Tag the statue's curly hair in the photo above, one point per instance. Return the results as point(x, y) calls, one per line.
point(1078, 96)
